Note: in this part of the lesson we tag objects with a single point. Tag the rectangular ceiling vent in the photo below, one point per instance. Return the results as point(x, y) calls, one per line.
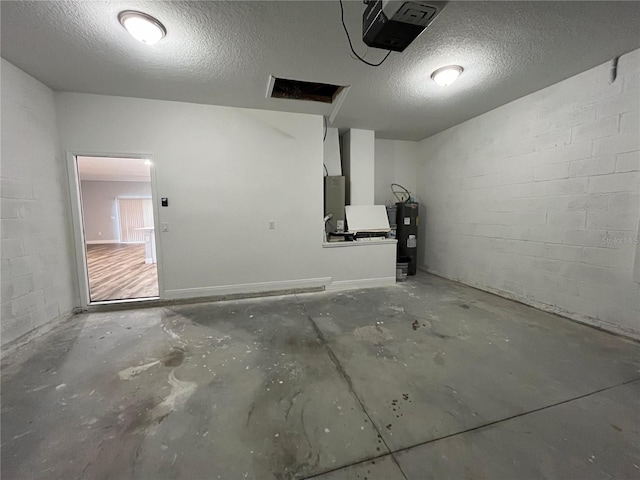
point(300, 90)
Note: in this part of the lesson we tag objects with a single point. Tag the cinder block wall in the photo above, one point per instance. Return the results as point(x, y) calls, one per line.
point(37, 286)
point(538, 199)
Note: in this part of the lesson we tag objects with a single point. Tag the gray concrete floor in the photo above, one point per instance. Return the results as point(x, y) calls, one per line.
point(427, 379)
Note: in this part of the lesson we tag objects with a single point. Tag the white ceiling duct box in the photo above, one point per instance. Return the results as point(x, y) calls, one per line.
point(367, 219)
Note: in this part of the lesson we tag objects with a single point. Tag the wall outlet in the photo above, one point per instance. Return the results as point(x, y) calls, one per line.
point(272, 224)
point(165, 227)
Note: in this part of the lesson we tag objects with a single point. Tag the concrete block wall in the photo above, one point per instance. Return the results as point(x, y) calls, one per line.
point(37, 285)
point(539, 199)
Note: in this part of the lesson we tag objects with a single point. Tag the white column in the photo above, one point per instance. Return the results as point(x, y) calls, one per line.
point(358, 150)
point(331, 152)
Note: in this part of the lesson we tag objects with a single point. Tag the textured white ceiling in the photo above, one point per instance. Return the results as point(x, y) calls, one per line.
point(114, 169)
point(223, 53)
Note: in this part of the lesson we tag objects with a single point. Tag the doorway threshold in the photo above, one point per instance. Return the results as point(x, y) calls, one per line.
point(122, 304)
point(150, 302)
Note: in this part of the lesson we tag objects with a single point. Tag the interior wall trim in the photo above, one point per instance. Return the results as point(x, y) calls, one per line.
point(285, 286)
point(362, 283)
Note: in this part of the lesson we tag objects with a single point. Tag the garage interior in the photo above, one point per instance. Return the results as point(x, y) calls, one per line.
point(272, 350)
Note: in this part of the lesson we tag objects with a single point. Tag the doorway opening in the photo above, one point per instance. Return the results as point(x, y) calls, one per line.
point(116, 210)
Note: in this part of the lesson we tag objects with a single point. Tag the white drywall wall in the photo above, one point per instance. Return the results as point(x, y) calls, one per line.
point(538, 199)
point(331, 152)
point(37, 285)
point(227, 173)
point(396, 161)
point(361, 264)
point(358, 162)
point(100, 210)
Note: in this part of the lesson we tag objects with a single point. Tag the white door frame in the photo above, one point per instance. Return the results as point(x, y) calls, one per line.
point(78, 225)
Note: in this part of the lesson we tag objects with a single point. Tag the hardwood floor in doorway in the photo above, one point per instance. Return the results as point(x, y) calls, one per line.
point(117, 272)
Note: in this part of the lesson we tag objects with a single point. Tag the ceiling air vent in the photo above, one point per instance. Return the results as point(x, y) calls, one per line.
point(299, 90)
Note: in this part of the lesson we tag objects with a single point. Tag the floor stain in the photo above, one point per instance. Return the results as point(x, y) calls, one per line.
point(174, 358)
point(396, 408)
point(438, 358)
point(181, 391)
point(131, 372)
point(374, 334)
point(465, 306)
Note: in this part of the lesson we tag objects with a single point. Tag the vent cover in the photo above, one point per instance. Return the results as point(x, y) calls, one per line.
point(309, 91)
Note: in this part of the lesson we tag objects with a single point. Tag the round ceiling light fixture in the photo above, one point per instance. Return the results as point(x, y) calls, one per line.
point(445, 76)
point(142, 27)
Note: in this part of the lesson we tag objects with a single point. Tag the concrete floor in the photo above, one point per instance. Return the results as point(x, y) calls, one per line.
point(427, 379)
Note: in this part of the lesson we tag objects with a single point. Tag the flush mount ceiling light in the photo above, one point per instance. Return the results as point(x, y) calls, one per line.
point(142, 27)
point(445, 76)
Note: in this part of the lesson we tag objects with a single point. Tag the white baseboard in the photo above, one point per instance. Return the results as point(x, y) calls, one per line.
point(577, 317)
point(362, 283)
point(246, 288)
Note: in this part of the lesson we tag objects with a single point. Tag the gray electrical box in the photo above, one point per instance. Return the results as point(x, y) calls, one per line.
point(334, 198)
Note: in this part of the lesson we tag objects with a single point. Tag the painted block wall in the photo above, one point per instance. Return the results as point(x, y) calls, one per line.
point(396, 161)
point(99, 206)
point(538, 199)
point(37, 280)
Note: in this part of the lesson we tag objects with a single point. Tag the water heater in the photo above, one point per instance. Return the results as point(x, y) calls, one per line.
point(407, 233)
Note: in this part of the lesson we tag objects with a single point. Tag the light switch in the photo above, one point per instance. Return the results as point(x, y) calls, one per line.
point(165, 227)
point(272, 224)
